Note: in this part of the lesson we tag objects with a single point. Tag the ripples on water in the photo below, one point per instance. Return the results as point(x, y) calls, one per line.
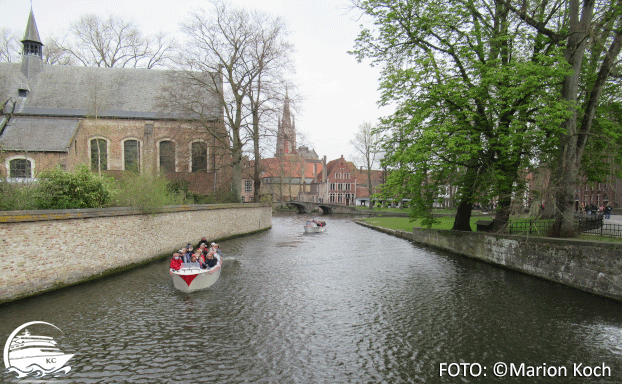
point(348, 305)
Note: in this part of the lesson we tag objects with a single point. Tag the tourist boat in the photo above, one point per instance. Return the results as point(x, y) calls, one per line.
point(28, 352)
point(190, 277)
point(315, 226)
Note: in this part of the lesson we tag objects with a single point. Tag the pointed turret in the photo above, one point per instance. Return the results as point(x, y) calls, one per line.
point(286, 136)
point(32, 54)
point(32, 32)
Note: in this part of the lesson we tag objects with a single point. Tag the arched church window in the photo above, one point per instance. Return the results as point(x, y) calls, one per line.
point(99, 155)
point(167, 156)
point(20, 168)
point(131, 155)
point(199, 156)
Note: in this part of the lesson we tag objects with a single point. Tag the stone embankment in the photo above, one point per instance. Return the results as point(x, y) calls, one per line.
point(45, 250)
point(590, 266)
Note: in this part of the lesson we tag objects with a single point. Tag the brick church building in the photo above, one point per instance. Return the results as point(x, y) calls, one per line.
point(108, 118)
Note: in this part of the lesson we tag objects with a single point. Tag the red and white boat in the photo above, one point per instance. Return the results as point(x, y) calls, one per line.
point(190, 277)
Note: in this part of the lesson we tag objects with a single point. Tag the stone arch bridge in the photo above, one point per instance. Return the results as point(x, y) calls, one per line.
point(307, 207)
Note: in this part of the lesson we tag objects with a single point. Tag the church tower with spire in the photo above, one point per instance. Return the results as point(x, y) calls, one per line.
point(32, 54)
point(286, 134)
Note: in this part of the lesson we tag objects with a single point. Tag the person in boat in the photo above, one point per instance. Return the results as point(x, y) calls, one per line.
point(175, 262)
point(210, 260)
point(203, 242)
point(204, 253)
point(200, 257)
point(183, 253)
point(194, 262)
point(215, 248)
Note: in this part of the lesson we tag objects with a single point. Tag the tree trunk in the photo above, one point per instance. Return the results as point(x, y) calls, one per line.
point(502, 214)
point(568, 161)
point(462, 220)
point(256, 170)
point(236, 155)
point(369, 185)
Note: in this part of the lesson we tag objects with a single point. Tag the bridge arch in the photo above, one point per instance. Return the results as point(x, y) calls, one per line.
point(308, 207)
point(302, 208)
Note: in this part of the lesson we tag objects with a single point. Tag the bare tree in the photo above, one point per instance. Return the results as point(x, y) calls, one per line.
point(55, 54)
point(366, 142)
point(218, 48)
point(9, 46)
point(267, 61)
point(114, 42)
point(246, 50)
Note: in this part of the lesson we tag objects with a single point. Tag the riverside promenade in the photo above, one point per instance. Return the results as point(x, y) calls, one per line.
point(615, 219)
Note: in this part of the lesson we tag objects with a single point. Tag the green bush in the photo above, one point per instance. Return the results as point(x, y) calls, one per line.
point(16, 196)
point(59, 189)
point(147, 192)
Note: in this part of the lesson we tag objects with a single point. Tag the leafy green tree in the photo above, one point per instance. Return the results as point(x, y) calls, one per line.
point(59, 189)
point(475, 96)
point(591, 33)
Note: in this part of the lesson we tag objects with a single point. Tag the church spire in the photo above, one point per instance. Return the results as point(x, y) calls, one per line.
point(286, 113)
point(32, 54)
point(286, 136)
point(32, 41)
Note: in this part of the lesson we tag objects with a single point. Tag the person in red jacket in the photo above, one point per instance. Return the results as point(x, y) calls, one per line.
point(175, 263)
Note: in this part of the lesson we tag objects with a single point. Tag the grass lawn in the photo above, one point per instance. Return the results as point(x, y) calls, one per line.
point(599, 238)
point(382, 209)
point(436, 211)
point(404, 223)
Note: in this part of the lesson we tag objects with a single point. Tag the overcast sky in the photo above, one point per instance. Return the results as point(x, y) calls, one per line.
point(339, 93)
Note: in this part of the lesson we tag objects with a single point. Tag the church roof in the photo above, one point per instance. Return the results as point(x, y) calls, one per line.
point(38, 134)
point(32, 33)
point(288, 166)
point(72, 91)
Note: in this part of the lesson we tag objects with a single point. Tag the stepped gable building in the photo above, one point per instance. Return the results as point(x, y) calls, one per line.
point(340, 183)
point(107, 118)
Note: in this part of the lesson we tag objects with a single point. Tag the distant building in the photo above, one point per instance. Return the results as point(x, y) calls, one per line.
point(291, 174)
point(362, 196)
point(286, 132)
point(306, 153)
point(107, 118)
point(339, 182)
point(599, 194)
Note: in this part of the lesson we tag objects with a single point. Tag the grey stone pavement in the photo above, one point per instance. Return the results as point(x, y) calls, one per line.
point(612, 230)
point(615, 219)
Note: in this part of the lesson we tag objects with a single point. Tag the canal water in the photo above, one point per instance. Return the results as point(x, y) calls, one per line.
point(350, 305)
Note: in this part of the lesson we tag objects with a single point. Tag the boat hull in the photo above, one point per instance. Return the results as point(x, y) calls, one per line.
point(193, 279)
point(314, 229)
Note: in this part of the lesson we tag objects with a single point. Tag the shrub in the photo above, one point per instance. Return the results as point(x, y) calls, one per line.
point(16, 196)
point(147, 192)
point(59, 189)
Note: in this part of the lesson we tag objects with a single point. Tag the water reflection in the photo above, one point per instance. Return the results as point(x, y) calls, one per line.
point(347, 305)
